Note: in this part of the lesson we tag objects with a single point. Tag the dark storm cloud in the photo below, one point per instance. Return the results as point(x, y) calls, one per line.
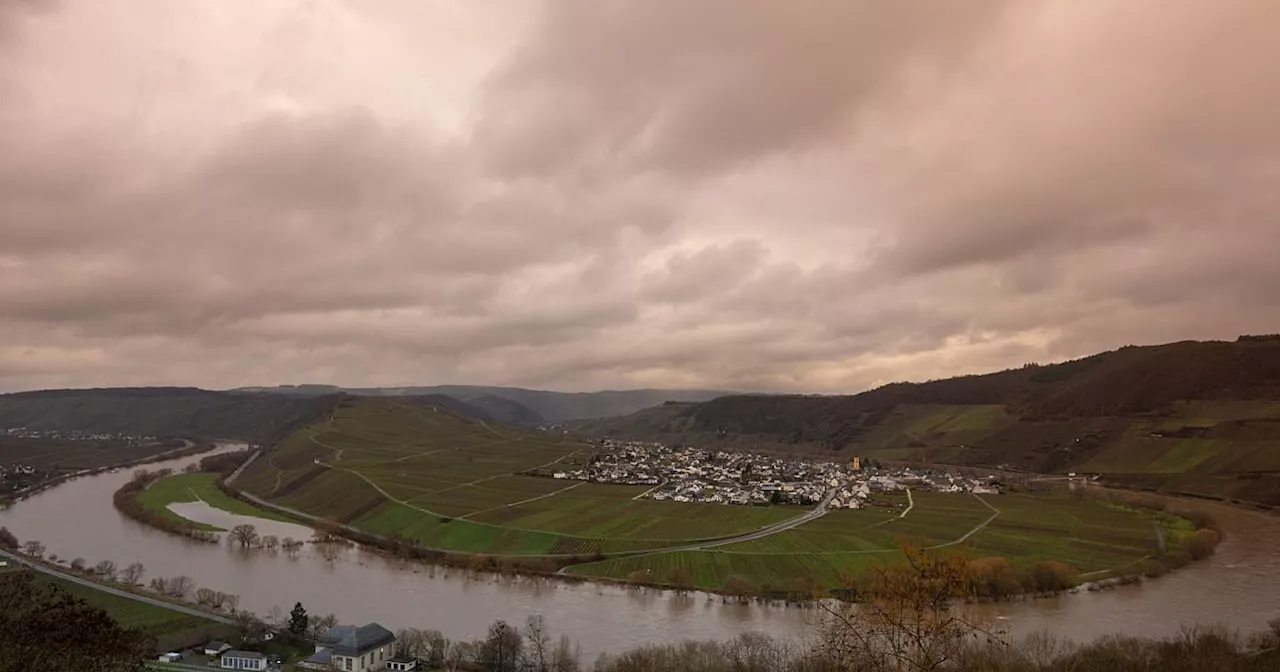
point(813, 195)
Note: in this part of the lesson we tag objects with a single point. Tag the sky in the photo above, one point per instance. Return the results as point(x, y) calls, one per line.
point(811, 195)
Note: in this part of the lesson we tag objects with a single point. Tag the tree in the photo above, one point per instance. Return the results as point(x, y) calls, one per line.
point(298, 620)
point(501, 649)
point(436, 647)
point(320, 624)
point(906, 620)
point(681, 579)
point(44, 628)
point(566, 656)
point(106, 569)
point(537, 653)
point(740, 587)
point(78, 564)
point(206, 597)
point(33, 548)
point(133, 573)
point(270, 542)
point(7, 540)
point(245, 535)
point(274, 614)
point(461, 653)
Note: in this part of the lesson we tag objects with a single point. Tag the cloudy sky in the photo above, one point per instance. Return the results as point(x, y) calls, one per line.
point(816, 195)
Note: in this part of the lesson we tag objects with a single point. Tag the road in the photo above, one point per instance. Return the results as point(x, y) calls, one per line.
point(115, 591)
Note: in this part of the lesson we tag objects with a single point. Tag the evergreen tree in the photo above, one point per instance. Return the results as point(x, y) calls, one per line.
point(298, 620)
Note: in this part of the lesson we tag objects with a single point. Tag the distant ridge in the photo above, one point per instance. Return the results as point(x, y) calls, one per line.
point(164, 411)
point(523, 406)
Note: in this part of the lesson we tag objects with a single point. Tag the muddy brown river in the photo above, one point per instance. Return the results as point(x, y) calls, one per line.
point(1238, 588)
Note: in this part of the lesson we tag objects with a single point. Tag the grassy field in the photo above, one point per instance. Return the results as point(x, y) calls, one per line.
point(1091, 537)
point(156, 621)
point(393, 467)
point(195, 487)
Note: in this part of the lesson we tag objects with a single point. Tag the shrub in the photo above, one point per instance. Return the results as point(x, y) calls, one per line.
point(1047, 576)
point(1202, 544)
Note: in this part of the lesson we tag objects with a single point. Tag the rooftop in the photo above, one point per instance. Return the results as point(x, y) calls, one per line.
point(349, 640)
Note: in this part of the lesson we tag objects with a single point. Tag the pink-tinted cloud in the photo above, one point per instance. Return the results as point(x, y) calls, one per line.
point(813, 195)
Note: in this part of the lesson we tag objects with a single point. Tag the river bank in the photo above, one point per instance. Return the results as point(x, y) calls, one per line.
point(1237, 588)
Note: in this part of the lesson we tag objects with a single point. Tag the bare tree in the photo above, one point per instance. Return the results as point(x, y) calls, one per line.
point(906, 621)
point(33, 548)
point(290, 544)
point(106, 569)
point(274, 614)
point(501, 649)
point(78, 564)
point(207, 597)
point(181, 586)
point(436, 647)
point(232, 602)
point(409, 642)
point(566, 656)
point(270, 542)
point(245, 535)
point(133, 573)
point(537, 650)
point(460, 654)
point(318, 625)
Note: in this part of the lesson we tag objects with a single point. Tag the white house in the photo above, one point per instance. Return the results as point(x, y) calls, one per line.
point(243, 660)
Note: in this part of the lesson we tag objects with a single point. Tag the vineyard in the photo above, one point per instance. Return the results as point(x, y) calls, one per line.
point(394, 467)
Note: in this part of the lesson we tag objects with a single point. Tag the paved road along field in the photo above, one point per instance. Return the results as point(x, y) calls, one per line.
point(115, 591)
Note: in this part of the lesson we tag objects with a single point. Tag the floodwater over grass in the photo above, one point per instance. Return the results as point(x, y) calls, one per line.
point(195, 497)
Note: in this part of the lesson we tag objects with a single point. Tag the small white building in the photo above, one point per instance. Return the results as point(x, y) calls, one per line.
point(243, 660)
point(403, 664)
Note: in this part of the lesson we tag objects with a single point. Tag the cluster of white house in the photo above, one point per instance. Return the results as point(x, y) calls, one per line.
point(695, 475)
point(345, 647)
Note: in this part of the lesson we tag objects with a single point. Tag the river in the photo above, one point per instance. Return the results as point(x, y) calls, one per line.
point(1239, 587)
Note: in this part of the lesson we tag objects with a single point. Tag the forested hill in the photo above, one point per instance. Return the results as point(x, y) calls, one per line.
point(517, 405)
point(1195, 411)
point(164, 411)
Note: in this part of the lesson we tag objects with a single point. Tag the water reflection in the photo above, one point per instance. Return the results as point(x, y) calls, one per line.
point(1240, 587)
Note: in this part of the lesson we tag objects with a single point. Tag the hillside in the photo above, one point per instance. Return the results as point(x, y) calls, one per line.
point(550, 407)
point(400, 466)
point(164, 411)
point(1196, 417)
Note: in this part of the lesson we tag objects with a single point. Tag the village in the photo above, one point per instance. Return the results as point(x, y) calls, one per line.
point(32, 456)
point(698, 475)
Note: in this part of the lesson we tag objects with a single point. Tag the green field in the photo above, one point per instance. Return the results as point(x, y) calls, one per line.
point(194, 487)
point(392, 467)
point(155, 621)
point(1091, 537)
